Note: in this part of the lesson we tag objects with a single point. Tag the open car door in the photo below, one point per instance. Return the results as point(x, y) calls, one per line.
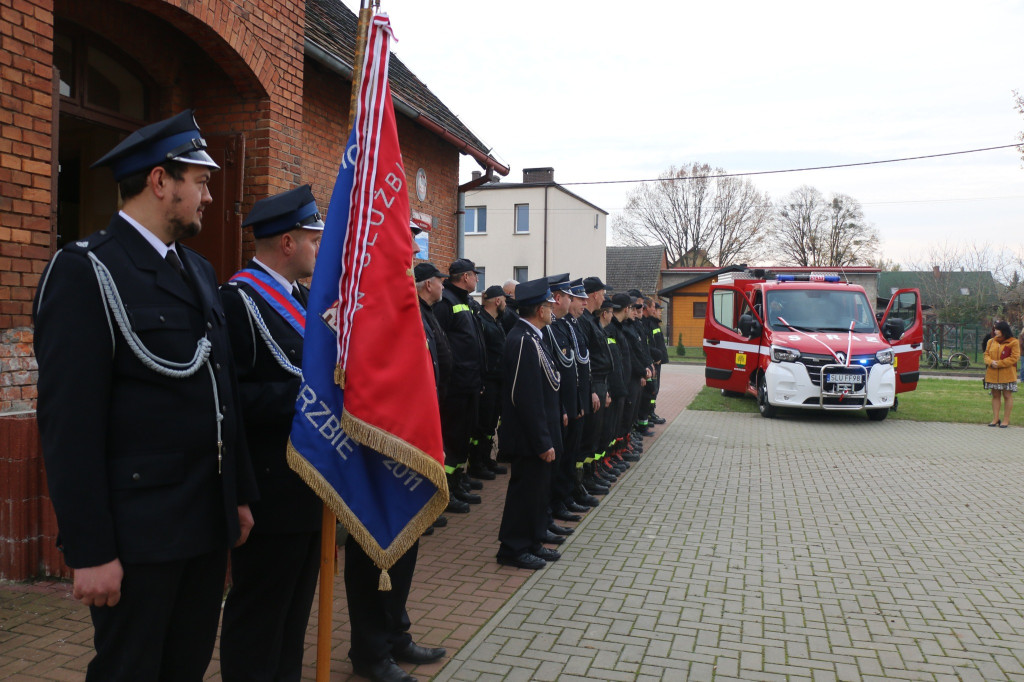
point(731, 356)
point(905, 305)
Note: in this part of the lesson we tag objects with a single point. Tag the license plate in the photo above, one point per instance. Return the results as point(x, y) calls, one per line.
point(844, 378)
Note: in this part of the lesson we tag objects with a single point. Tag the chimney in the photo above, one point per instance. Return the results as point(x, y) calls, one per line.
point(935, 270)
point(533, 176)
point(476, 175)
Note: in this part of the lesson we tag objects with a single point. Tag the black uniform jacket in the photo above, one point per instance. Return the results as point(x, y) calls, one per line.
point(559, 346)
point(658, 339)
point(131, 455)
point(437, 344)
point(494, 345)
point(454, 312)
point(597, 343)
point(639, 352)
point(268, 392)
point(618, 352)
point(530, 412)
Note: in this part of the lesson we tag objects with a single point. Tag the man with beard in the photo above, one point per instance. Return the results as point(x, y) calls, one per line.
point(142, 437)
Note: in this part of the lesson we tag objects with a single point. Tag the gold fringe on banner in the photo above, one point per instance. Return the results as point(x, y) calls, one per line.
point(384, 585)
point(383, 558)
point(339, 376)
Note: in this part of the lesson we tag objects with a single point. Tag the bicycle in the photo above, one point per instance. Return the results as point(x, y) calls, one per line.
point(931, 360)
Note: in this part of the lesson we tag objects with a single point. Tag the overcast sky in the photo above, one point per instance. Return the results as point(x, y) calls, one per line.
point(620, 91)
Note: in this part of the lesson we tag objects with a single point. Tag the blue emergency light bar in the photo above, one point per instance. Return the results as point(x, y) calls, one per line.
point(807, 278)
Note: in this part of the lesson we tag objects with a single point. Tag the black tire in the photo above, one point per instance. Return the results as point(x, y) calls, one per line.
point(878, 415)
point(959, 361)
point(766, 409)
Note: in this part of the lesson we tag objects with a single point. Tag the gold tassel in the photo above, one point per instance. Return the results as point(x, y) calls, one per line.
point(385, 582)
point(339, 375)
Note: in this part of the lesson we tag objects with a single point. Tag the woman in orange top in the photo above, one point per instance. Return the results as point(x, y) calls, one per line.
point(1001, 356)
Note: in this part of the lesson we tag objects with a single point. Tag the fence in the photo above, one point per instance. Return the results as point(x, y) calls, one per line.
point(945, 339)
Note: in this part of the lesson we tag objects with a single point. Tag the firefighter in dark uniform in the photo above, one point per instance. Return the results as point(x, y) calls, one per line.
point(489, 314)
point(593, 445)
point(612, 310)
point(658, 335)
point(459, 411)
point(274, 574)
point(530, 431)
point(138, 412)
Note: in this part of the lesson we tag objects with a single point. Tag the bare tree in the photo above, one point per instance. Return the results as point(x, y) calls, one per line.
point(963, 284)
point(696, 217)
point(810, 230)
point(1018, 104)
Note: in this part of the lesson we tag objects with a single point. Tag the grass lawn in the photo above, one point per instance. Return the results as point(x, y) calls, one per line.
point(935, 400)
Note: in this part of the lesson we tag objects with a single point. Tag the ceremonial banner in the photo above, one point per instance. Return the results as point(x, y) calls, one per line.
point(366, 434)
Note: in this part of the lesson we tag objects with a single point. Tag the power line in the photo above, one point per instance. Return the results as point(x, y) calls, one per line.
point(794, 170)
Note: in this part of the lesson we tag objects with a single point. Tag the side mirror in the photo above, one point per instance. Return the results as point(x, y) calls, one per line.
point(749, 326)
point(893, 329)
point(878, 316)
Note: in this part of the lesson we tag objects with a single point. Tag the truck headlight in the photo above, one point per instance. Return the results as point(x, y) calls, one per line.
point(783, 354)
point(884, 357)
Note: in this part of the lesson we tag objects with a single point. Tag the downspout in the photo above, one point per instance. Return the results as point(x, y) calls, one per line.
point(546, 188)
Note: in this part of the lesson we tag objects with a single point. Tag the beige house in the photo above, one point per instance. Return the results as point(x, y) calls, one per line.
point(532, 229)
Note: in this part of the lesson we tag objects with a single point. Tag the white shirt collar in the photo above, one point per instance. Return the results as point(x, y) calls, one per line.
point(276, 275)
point(532, 325)
point(160, 247)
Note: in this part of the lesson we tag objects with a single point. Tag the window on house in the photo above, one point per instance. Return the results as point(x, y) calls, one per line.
point(521, 273)
point(522, 218)
point(481, 280)
point(700, 310)
point(476, 220)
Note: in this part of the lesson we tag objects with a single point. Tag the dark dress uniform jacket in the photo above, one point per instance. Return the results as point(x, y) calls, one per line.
point(268, 392)
point(559, 346)
point(131, 455)
point(531, 418)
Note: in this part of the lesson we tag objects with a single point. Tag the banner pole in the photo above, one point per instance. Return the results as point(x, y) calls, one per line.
point(328, 532)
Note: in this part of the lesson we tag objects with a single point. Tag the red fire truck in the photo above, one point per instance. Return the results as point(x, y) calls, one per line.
point(810, 342)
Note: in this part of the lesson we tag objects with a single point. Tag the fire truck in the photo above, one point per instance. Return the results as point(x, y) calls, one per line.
point(810, 341)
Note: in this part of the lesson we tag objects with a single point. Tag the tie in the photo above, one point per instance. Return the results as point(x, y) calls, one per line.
point(175, 262)
point(299, 295)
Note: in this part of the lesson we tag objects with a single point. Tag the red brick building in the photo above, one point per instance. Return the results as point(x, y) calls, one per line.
point(270, 81)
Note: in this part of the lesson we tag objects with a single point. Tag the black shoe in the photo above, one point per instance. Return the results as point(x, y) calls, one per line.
point(482, 473)
point(585, 499)
point(552, 539)
point(456, 506)
point(382, 671)
point(656, 419)
point(495, 467)
point(547, 554)
point(563, 514)
point(428, 531)
point(440, 522)
point(469, 484)
point(572, 506)
point(559, 530)
point(646, 431)
point(469, 498)
point(630, 457)
point(414, 653)
point(524, 560)
point(595, 488)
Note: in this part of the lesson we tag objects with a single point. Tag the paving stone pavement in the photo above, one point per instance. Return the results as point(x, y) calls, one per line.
point(802, 548)
point(807, 547)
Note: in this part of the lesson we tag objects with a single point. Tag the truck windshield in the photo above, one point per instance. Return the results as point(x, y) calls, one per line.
point(819, 310)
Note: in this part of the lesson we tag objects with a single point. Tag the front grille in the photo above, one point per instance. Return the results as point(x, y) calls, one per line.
point(814, 362)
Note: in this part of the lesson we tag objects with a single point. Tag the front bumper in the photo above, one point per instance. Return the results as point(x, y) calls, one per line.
point(789, 385)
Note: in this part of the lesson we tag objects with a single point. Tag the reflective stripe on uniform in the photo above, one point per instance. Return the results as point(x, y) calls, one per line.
point(611, 341)
point(460, 308)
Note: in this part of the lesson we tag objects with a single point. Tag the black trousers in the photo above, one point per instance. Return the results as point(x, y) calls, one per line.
point(458, 422)
point(380, 621)
point(482, 438)
point(630, 408)
point(273, 578)
point(647, 395)
point(593, 426)
point(525, 519)
point(165, 625)
point(565, 461)
point(612, 421)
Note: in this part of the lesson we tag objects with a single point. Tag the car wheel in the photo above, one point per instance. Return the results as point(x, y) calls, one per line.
point(763, 406)
point(878, 415)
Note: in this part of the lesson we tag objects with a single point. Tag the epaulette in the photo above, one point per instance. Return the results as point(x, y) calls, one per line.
point(82, 247)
